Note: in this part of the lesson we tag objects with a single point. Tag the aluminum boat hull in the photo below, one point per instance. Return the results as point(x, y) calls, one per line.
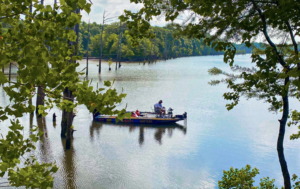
point(140, 120)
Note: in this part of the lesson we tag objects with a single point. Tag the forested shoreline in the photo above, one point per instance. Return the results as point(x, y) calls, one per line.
point(163, 46)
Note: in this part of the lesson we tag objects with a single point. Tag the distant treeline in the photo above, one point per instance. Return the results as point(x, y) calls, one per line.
point(164, 46)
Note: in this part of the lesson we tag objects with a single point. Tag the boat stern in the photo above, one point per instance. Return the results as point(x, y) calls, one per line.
point(181, 117)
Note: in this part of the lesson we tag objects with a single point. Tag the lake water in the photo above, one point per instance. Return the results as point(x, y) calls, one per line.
point(121, 156)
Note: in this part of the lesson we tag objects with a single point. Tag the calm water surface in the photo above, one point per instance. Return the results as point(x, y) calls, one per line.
point(127, 156)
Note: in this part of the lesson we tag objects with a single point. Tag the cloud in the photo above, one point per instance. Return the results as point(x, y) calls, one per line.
point(112, 7)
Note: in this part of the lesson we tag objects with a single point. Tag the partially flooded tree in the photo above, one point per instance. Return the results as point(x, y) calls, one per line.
point(222, 22)
point(43, 45)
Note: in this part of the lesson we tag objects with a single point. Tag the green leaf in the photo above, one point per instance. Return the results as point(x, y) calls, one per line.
point(107, 83)
point(3, 78)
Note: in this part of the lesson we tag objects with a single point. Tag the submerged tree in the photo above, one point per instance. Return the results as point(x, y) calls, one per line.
point(43, 46)
point(222, 22)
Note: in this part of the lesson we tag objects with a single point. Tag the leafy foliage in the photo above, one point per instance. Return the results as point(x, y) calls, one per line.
point(295, 115)
point(29, 173)
point(221, 22)
point(296, 179)
point(43, 45)
point(239, 179)
point(244, 178)
point(214, 71)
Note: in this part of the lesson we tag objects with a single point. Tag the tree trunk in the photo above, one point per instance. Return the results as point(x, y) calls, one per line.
point(150, 54)
point(100, 57)
point(70, 117)
point(67, 117)
point(280, 150)
point(68, 139)
point(285, 100)
point(120, 51)
point(87, 54)
point(64, 119)
point(39, 99)
point(144, 52)
point(30, 102)
point(9, 73)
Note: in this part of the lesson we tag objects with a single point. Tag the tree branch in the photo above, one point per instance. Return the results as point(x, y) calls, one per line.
point(292, 38)
point(8, 16)
point(263, 19)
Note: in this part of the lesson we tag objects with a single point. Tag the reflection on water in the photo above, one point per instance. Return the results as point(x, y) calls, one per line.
point(95, 128)
point(141, 136)
point(158, 134)
point(46, 154)
point(107, 155)
point(45, 146)
point(68, 165)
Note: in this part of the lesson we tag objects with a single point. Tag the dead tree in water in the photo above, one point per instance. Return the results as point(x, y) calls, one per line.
point(117, 55)
point(9, 72)
point(100, 57)
point(64, 118)
point(87, 54)
point(117, 61)
point(104, 20)
point(39, 99)
point(120, 51)
point(145, 50)
point(40, 91)
point(67, 117)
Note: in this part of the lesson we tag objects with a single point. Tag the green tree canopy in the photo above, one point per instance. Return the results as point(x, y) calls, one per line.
point(220, 23)
point(44, 46)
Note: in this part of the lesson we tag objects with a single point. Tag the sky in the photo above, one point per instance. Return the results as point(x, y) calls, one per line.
point(115, 8)
point(112, 7)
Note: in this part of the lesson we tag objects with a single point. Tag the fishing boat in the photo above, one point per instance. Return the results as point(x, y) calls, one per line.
point(144, 118)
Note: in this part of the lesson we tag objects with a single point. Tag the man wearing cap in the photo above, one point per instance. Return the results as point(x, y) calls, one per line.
point(159, 109)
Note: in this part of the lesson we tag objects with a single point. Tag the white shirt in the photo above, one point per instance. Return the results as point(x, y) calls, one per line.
point(158, 106)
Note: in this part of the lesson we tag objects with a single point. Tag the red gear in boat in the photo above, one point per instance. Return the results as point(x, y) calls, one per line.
point(133, 114)
point(137, 112)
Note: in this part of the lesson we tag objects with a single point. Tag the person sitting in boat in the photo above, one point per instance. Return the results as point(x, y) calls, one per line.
point(158, 108)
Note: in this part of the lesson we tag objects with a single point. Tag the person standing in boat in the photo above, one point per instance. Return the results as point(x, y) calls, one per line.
point(158, 108)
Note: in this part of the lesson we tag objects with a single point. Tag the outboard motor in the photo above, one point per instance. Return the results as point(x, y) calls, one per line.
point(185, 119)
point(170, 112)
point(184, 115)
